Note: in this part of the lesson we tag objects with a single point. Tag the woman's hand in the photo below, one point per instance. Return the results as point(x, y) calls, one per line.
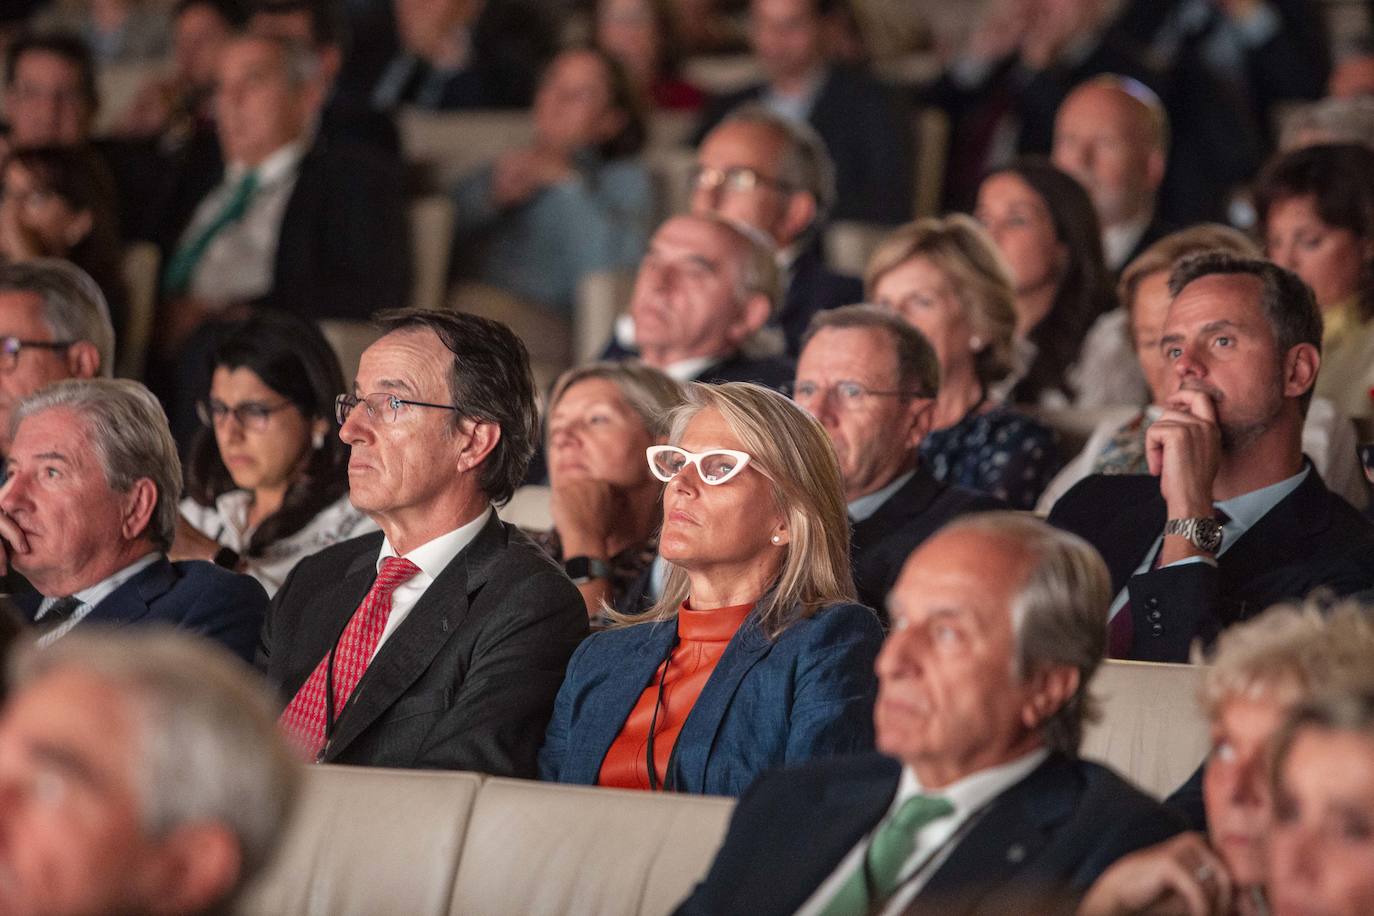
point(191, 544)
point(585, 513)
point(1182, 875)
point(17, 241)
point(519, 174)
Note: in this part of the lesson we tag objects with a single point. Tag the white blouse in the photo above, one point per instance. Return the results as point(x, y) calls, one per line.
point(227, 523)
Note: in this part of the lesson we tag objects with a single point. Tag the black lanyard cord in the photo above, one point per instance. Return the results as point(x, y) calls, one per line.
point(653, 726)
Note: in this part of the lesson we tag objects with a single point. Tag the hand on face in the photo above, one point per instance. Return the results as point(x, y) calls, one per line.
point(12, 542)
point(585, 514)
point(1181, 875)
point(1183, 447)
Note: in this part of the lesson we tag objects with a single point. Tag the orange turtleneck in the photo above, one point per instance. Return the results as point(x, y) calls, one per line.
point(702, 638)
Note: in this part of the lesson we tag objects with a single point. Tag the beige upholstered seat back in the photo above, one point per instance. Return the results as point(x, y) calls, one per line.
point(579, 851)
point(1152, 729)
point(369, 841)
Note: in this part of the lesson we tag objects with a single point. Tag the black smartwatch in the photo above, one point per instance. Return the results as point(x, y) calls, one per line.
point(584, 569)
point(226, 558)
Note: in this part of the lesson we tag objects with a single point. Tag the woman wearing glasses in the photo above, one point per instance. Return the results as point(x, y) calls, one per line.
point(267, 475)
point(755, 655)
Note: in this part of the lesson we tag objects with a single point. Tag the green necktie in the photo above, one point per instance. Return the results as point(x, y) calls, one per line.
point(182, 265)
point(891, 846)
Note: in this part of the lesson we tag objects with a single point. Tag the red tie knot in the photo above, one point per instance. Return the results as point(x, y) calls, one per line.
point(395, 570)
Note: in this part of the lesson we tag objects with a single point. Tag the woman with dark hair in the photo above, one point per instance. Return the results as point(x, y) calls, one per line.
point(1316, 207)
point(58, 202)
point(643, 36)
point(1044, 224)
point(267, 476)
point(576, 200)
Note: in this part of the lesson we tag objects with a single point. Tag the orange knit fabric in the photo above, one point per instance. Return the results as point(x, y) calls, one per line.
point(703, 636)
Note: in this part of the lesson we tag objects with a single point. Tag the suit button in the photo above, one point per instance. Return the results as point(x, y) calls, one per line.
point(1153, 615)
point(1152, 602)
point(1157, 629)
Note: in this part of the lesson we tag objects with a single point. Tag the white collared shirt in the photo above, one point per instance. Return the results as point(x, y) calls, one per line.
point(90, 597)
point(970, 797)
point(864, 507)
point(433, 557)
point(1120, 240)
point(239, 262)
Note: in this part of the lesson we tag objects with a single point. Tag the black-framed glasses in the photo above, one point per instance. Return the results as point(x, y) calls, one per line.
point(254, 415)
point(11, 347)
point(848, 394)
point(386, 406)
point(736, 178)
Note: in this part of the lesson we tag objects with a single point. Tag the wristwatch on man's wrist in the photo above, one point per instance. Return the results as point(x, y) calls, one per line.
point(585, 569)
point(1202, 533)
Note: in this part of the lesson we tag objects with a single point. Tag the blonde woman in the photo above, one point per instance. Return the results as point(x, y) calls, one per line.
point(756, 655)
point(1261, 670)
point(946, 278)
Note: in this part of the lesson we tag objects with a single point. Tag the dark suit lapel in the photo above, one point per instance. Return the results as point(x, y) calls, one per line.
point(331, 611)
point(911, 500)
point(1134, 530)
point(408, 651)
point(698, 735)
point(622, 688)
point(133, 599)
point(1007, 836)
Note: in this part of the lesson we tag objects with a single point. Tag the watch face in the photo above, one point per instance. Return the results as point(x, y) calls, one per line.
point(1209, 534)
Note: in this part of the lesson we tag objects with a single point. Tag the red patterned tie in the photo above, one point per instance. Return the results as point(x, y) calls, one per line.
point(304, 718)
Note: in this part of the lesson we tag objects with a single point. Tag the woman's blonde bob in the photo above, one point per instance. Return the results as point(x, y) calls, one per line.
point(792, 450)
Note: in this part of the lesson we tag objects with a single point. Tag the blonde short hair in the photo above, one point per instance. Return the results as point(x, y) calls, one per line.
point(978, 276)
point(1290, 652)
point(789, 447)
point(650, 393)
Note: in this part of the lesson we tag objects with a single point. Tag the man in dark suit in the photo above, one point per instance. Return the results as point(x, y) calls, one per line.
point(440, 641)
point(871, 379)
point(867, 130)
point(1111, 134)
point(89, 509)
point(765, 171)
point(1236, 518)
point(978, 802)
point(702, 299)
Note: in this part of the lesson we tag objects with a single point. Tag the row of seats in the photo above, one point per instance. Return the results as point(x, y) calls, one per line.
point(367, 841)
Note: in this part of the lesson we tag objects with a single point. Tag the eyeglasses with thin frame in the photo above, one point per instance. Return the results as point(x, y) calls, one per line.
point(736, 179)
point(386, 406)
point(714, 467)
point(11, 347)
point(254, 415)
point(850, 395)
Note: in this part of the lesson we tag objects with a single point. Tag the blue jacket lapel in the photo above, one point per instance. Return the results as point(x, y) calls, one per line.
point(622, 689)
point(134, 598)
point(699, 731)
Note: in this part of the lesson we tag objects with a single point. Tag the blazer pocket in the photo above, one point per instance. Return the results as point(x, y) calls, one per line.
point(420, 704)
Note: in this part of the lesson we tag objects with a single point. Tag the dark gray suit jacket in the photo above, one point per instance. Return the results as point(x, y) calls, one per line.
point(466, 682)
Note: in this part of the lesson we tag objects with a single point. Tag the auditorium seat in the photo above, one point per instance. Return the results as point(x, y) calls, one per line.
point(431, 243)
point(140, 272)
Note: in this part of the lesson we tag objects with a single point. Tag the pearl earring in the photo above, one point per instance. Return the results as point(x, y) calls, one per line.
point(317, 441)
point(975, 344)
point(777, 539)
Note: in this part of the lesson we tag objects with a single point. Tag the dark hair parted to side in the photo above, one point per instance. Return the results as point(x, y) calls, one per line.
point(489, 380)
point(65, 45)
point(1287, 302)
point(291, 357)
point(918, 368)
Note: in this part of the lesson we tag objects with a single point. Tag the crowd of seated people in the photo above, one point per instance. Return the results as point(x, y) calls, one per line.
point(800, 538)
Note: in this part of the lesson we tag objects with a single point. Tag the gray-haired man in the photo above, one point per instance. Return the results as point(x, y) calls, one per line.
point(978, 802)
point(138, 774)
point(88, 509)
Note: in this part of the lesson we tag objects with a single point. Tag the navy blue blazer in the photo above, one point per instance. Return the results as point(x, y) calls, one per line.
point(190, 595)
point(1040, 844)
point(808, 694)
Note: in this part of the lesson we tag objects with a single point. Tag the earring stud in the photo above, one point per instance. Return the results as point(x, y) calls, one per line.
point(777, 539)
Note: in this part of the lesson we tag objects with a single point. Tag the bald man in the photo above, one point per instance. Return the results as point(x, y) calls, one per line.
point(1111, 134)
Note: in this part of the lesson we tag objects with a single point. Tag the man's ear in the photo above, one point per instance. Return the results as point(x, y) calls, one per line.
point(83, 360)
point(1154, 168)
point(797, 215)
point(483, 436)
point(1300, 367)
point(1049, 689)
point(78, 228)
point(920, 413)
point(191, 869)
point(752, 317)
point(140, 502)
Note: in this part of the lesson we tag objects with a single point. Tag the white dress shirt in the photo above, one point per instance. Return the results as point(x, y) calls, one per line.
point(239, 262)
point(90, 597)
point(433, 558)
point(935, 841)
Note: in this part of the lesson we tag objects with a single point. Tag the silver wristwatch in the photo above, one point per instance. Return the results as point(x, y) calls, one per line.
point(1202, 533)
